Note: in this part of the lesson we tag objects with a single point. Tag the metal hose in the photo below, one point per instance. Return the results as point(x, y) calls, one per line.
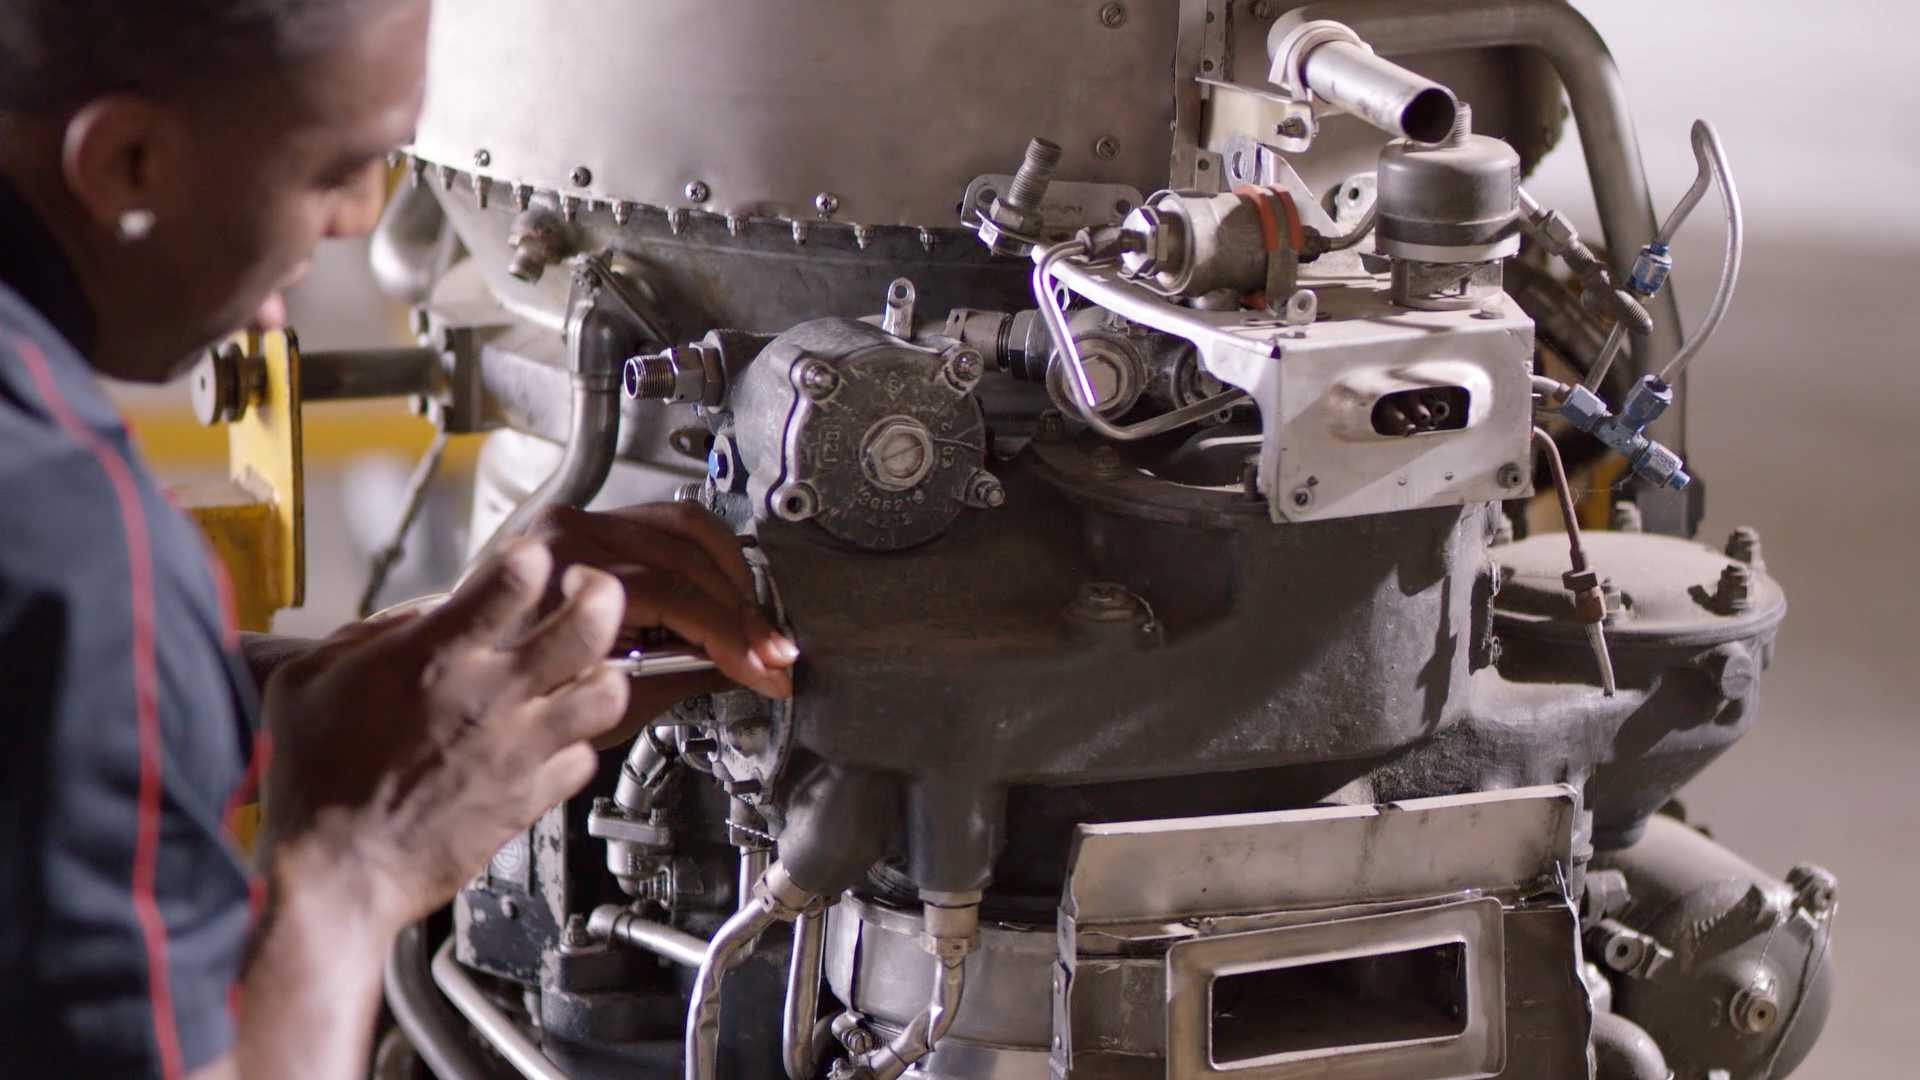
point(434, 1030)
point(777, 898)
point(612, 922)
point(1046, 260)
point(925, 1031)
point(493, 1025)
point(1713, 160)
point(584, 465)
point(801, 1013)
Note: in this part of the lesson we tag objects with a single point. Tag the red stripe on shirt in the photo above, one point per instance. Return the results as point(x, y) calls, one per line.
point(146, 700)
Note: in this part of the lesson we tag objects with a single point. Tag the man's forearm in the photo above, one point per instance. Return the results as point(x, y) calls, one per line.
point(311, 991)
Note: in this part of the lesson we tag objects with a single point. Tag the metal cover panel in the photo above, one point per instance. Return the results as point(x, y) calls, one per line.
point(1319, 858)
point(1479, 1050)
point(892, 108)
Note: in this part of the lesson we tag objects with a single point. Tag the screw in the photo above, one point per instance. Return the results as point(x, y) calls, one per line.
point(966, 367)
point(827, 203)
point(1302, 497)
point(1106, 147)
point(1744, 546)
point(1511, 475)
point(819, 380)
point(482, 158)
point(697, 191)
point(1293, 127)
point(1113, 16)
point(582, 176)
point(1735, 591)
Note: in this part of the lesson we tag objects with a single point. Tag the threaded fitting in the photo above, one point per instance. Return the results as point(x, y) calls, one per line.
point(1029, 185)
point(651, 378)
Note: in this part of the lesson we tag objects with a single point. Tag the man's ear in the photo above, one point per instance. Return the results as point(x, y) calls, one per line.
point(124, 155)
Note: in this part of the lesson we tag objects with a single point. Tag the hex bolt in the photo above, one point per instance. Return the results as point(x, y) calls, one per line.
point(827, 203)
point(819, 380)
point(576, 933)
point(1113, 16)
point(985, 491)
point(1734, 594)
point(1029, 185)
point(697, 191)
point(1511, 475)
point(1107, 463)
point(1106, 147)
point(1756, 1008)
point(482, 158)
point(1744, 546)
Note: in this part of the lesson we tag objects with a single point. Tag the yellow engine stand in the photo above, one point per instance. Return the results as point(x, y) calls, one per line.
point(255, 520)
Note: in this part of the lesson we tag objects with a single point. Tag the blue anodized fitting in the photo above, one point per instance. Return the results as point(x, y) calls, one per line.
point(1650, 270)
point(1626, 433)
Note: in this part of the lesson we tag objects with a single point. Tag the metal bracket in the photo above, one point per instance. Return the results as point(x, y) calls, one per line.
point(255, 520)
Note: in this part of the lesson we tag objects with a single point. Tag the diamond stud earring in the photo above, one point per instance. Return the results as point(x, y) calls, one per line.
point(135, 225)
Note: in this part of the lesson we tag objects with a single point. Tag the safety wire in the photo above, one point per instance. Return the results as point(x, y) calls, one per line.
point(1052, 312)
point(416, 497)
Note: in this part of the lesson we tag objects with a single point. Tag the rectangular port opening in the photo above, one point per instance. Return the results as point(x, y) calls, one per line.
point(1342, 1005)
point(1422, 412)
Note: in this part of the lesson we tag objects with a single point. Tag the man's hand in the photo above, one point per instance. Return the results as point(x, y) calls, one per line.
point(682, 570)
point(406, 752)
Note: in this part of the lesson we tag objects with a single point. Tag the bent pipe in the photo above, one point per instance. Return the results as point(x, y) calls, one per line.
point(599, 340)
point(1623, 1050)
point(411, 244)
point(430, 1025)
point(797, 1044)
point(776, 899)
point(1598, 96)
point(493, 1025)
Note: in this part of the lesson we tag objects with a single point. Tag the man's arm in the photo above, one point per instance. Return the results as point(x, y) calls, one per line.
point(406, 753)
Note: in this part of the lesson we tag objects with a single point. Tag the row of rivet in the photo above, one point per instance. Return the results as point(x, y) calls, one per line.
point(571, 206)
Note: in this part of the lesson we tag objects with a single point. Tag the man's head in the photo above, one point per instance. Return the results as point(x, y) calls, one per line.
point(248, 129)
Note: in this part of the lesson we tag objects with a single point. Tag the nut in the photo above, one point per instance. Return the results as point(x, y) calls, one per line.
point(1734, 593)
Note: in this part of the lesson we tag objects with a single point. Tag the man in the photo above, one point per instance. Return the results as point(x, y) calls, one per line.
point(165, 168)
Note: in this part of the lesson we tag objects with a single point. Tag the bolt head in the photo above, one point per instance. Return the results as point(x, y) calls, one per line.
point(1113, 16)
point(582, 176)
point(985, 491)
point(819, 380)
point(826, 203)
point(697, 191)
point(482, 158)
point(966, 367)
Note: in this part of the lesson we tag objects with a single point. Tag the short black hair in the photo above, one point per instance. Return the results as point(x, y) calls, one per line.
point(57, 54)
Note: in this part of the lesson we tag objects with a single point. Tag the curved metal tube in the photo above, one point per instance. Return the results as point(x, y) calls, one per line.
point(591, 439)
point(411, 244)
point(616, 923)
point(1713, 162)
point(798, 1020)
point(1599, 99)
point(776, 898)
point(493, 1025)
point(1045, 259)
point(1624, 1051)
point(1359, 232)
point(432, 1028)
point(925, 1031)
